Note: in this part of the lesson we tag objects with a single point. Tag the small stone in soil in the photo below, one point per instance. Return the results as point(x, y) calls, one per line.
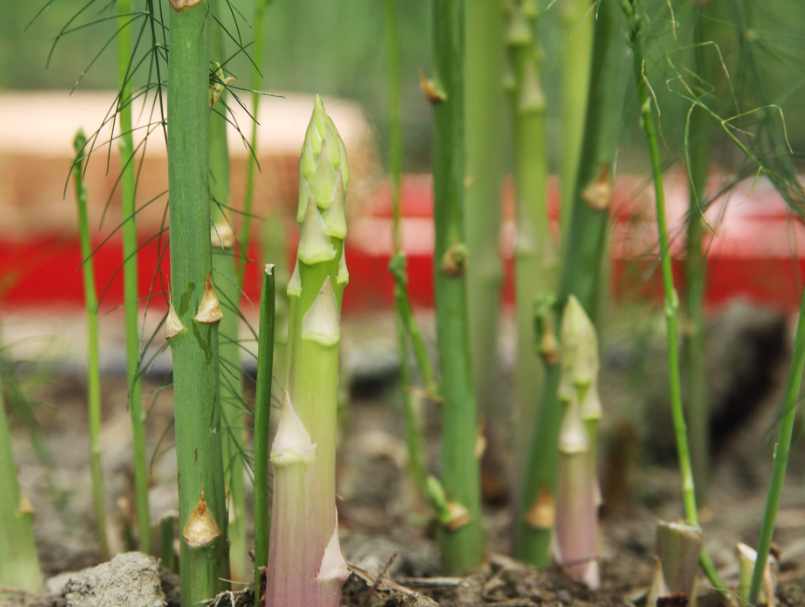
point(563, 596)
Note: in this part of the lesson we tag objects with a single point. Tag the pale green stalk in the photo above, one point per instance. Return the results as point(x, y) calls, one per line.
point(225, 279)
point(304, 569)
point(130, 281)
point(534, 254)
point(782, 449)
point(580, 272)
point(577, 21)
point(633, 8)
point(93, 355)
point(257, 82)
point(461, 546)
point(484, 141)
point(413, 432)
point(262, 428)
point(202, 500)
point(19, 563)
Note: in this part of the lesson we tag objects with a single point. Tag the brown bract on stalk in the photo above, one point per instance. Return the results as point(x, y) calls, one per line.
point(599, 193)
point(432, 92)
point(542, 513)
point(173, 326)
point(179, 5)
point(210, 309)
point(201, 528)
point(454, 261)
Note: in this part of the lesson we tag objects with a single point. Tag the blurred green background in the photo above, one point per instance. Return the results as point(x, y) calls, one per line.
point(336, 47)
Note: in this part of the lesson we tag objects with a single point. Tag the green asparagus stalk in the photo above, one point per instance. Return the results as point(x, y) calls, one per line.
point(93, 356)
point(747, 560)
point(782, 450)
point(697, 404)
point(534, 255)
point(636, 36)
point(225, 279)
point(484, 140)
point(262, 430)
point(202, 501)
point(413, 432)
point(462, 548)
point(19, 563)
point(130, 288)
point(305, 567)
point(577, 21)
point(580, 276)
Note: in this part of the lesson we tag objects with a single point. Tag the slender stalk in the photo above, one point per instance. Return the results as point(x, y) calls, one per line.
point(225, 280)
point(19, 563)
point(462, 548)
point(632, 9)
point(484, 148)
point(93, 355)
point(781, 452)
point(262, 429)
point(577, 22)
point(130, 288)
point(580, 275)
point(534, 255)
point(258, 24)
point(204, 550)
point(413, 432)
point(695, 268)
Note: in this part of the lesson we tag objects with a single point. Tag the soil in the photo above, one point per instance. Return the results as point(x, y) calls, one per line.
point(386, 537)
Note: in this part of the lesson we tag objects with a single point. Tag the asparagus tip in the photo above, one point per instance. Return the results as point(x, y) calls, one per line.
point(200, 528)
point(209, 311)
point(269, 269)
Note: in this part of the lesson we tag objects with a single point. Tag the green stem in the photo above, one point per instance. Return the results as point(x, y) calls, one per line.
point(413, 433)
point(195, 350)
point(462, 548)
point(484, 148)
point(257, 82)
point(534, 256)
point(695, 268)
point(93, 356)
point(637, 41)
point(580, 264)
point(225, 278)
point(781, 452)
point(19, 564)
point(262, 429)
point(577, 21)
point(130, 286)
